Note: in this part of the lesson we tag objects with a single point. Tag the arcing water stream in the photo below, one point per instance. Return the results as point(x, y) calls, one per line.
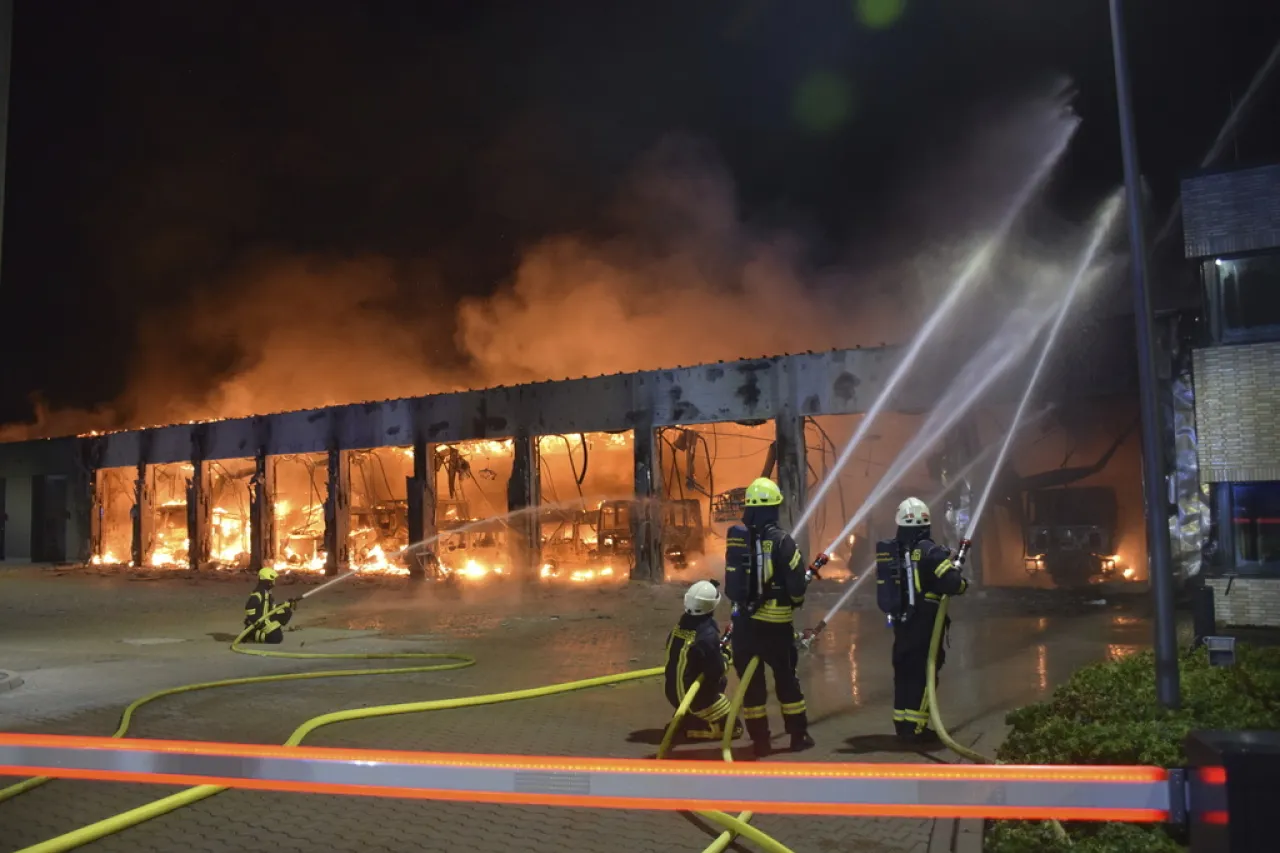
point(1102, 227)
point(976, 264)
point(963, 395)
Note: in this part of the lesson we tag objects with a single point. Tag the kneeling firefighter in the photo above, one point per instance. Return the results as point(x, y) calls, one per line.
point(765, 579)
point(913, 573)
point(693, 650)
point(263, 615)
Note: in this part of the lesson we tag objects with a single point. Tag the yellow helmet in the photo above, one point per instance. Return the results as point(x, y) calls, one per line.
point(764, 492)
point(267, 574)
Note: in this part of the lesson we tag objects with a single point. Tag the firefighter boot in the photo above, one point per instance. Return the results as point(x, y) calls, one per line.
point(801, 741)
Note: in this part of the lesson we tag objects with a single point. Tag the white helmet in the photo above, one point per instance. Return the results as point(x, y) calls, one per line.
point(701, 598)
point(913, 513)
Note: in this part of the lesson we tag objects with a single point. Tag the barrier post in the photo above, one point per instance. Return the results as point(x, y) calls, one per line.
point(1234, 785)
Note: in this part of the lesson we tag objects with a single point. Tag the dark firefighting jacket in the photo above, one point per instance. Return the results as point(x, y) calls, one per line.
point(693, 650)
point(935, 574)
point(784, 576)
point(260, 604)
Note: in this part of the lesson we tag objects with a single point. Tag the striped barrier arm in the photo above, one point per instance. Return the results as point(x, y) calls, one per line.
point(1137, 794)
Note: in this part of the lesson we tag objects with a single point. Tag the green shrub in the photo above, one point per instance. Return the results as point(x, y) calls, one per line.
point(1107, 714)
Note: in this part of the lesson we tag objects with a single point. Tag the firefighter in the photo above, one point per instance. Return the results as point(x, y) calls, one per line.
point(933, 575)
point(772, 565)
point(693, 651)
point(263, 615)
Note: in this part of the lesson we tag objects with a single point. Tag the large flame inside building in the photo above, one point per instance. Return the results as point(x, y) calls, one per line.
point(585, 518)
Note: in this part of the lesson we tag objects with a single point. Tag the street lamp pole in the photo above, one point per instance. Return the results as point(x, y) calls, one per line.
point(1159, 562)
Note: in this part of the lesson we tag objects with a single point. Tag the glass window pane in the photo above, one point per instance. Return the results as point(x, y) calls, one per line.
point(1256, 522)
point(1250, 291)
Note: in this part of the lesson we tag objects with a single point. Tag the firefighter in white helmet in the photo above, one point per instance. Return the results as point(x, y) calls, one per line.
point(929, 571)
point(693, 652)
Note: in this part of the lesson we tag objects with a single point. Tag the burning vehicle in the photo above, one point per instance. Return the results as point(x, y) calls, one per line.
point(684, 537)
point(1070, 535)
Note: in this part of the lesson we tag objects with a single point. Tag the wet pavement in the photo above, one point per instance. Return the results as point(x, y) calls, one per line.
point(87, 645)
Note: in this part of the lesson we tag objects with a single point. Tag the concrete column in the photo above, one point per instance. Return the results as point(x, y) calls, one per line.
point(789, 441)
point(646, 519)
point(199, 504)
point(421, 492)
point(90, 505)
point(337, 514)
point(262, 512)
point(144, 514)
point(524, 490)
point(199, 515)
point(97, 513)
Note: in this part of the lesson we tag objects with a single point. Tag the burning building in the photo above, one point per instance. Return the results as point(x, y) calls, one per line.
point(594, 480)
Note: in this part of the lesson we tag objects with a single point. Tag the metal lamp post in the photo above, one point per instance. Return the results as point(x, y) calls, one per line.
point(1158, 552)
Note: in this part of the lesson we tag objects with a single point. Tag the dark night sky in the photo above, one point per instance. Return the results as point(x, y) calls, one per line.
point(154, 144)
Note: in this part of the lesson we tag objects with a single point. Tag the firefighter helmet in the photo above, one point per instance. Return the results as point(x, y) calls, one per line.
point(764, 492)
point(701, 598)
point(267, 573)
point(913, 513)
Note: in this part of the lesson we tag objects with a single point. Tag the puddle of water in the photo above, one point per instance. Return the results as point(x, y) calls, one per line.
point(153, 641)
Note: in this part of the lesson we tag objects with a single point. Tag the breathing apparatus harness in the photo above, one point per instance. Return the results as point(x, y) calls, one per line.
point(745, 585)
point(896, 576)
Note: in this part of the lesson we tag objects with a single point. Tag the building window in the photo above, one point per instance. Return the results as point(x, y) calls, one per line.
point(1250, 294)
point(1255, 525)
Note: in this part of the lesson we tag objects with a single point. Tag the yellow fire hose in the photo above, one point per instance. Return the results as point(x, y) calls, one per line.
point(133, 817)
point(931, 697)
point(739, 825)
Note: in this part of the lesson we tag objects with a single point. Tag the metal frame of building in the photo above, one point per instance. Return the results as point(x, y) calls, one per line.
point(784, 389)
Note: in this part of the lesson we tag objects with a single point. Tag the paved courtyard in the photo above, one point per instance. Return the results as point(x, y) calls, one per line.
point(87, 644)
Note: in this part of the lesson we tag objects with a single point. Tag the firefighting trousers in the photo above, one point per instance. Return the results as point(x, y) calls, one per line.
point(709, 708)
point(272, 630)
point(910, 670)
point(774, 644)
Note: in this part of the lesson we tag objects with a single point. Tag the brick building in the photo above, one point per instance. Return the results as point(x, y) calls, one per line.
point(1231, 225)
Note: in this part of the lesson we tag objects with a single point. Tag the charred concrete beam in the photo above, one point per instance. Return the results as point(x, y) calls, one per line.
point(199, 503)
point(524, 492)
point(337, 514)
point(421, 494)
point(646, 520)
point(828, 383)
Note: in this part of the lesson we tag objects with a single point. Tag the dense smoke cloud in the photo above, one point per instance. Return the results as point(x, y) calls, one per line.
point(672, 274)
point(685, 282)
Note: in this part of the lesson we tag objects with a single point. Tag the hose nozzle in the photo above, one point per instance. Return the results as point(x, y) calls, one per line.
point(962, 551)
point(809, 635)
point(815, 568)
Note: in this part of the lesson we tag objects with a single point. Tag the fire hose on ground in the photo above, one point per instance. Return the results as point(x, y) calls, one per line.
point(935, 716)
point(133, 817)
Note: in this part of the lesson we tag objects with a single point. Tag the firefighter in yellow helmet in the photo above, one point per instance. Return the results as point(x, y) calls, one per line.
point(765, 579)
point(262, 614)
point(925, 573)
